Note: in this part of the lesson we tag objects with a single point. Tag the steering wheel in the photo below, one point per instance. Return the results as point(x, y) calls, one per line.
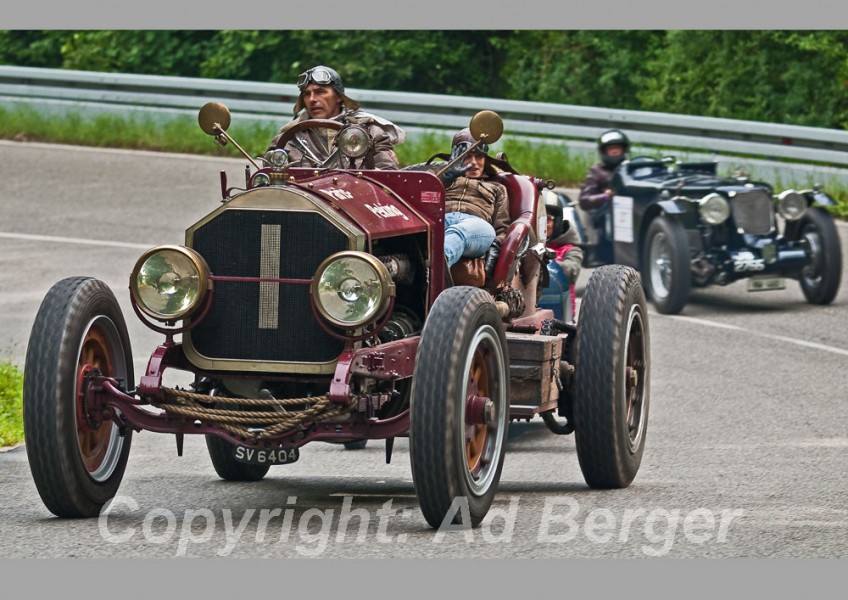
point(289, 134)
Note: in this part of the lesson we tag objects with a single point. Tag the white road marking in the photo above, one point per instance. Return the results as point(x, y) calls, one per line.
point(67, 240)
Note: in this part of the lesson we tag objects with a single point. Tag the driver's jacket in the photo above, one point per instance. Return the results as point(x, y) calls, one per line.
point(321, 142)
point(482, 198)
point(592, 191)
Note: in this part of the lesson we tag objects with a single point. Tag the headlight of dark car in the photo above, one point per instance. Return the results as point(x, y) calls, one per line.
point(714, 209)
point(169, 282)
point(351, 289)
point(791, 205)
point(353, 141)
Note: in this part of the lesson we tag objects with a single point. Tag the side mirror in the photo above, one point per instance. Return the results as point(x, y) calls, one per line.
point(214, 118)
point(487, 126)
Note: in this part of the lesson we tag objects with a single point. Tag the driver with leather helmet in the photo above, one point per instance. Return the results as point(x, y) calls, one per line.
point(322, 96)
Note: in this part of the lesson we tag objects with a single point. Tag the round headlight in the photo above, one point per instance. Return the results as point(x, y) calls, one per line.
point(277, 159)
point(261, 180)
point(353, 141)
point(791, 205)
point(169, 282)
point(351, 289)
point(714, 209)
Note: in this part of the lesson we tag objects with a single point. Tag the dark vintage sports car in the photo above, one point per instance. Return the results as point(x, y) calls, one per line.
point(314, 304)
point(682, 225)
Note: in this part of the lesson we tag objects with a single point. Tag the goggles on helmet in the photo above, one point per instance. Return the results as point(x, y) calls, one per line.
point(463, 146)
point(319, 75)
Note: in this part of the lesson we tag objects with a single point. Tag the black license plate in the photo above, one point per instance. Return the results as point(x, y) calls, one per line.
point(273, 456)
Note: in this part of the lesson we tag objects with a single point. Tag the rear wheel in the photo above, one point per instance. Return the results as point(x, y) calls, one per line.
point(77, 457)
point(666, 271)
point(611, 385)
point(459, 408)
point(820, 279)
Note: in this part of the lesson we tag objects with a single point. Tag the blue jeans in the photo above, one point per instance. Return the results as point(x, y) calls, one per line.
point(466, 236)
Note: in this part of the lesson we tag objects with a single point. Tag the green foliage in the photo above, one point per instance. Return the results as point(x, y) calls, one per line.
point(595, 68)
point(250, 55)
point(153, 52)
point(11, 405)
point(32, 48)
point(796, 77)
point(773, 76)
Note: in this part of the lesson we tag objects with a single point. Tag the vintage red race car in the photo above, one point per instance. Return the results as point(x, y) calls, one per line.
point(314, 305)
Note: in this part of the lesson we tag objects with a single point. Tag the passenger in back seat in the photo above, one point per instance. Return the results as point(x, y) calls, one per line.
point(476, 207)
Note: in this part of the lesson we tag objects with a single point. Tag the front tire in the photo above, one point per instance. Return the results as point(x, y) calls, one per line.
point(820, 280)
point(612, 371)
point(666, 270)
point(76, 459)
point(457, 438)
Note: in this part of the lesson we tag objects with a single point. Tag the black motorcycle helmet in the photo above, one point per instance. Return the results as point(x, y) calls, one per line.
point(613, 137)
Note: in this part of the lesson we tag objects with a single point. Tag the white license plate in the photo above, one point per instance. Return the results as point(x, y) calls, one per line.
point(764, 284)
point(275, 456)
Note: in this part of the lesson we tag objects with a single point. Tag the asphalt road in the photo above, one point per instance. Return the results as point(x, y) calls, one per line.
point(746, 447)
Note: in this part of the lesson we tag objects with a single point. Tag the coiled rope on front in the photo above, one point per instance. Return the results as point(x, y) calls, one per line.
point(263, 423)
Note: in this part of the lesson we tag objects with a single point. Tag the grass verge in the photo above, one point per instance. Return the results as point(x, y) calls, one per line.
point(11, 405)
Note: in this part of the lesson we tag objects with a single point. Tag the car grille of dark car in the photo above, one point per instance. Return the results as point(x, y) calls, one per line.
point(265, 322)
point(753, 212)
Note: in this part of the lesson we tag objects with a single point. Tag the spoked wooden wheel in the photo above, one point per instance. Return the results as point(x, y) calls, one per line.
point(483, 438)
point(77, 454)
point(460, 408)
point(99, 442)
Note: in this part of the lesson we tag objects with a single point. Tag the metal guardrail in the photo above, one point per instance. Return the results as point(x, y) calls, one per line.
point(60, 89)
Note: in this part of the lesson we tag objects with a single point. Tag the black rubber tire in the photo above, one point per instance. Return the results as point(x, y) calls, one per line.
point(612, 378)
point(820, 281)
point(666, 265)
point(356, 445)
point(462, 351)
point(77, 464)
point(227, 467)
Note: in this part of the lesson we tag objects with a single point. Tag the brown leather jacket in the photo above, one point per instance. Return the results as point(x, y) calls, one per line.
point(592, 191)
point(321, 142)
point(483, 198)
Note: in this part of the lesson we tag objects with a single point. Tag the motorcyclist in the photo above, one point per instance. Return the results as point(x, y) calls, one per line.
point(595, 193)
point(322, 96)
